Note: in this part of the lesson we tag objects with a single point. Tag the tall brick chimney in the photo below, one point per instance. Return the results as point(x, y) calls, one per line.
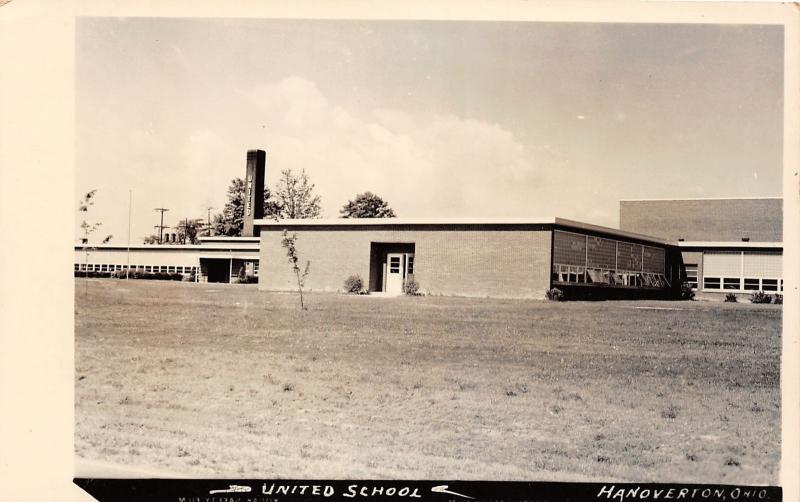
point(254, 190)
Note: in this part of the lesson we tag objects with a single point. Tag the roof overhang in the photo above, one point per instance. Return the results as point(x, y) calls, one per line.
point(613, 231)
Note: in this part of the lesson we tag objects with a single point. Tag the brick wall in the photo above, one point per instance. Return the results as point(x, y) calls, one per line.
point(705, 220)
point(468, 260)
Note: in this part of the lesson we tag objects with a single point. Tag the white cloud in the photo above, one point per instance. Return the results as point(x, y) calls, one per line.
point(424, 166)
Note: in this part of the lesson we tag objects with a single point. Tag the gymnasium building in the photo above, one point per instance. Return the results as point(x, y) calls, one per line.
point(718, 246)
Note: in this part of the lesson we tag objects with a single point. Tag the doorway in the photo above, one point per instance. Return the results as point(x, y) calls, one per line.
point(391, 265)
point(216, 269)
point(395, 275)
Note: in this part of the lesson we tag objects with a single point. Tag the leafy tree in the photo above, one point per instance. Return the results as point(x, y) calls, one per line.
point(290, 243)
point(189, 229)
point(295, 198)
point(367, 205)
point(231, 221)
point(151, 239)
point(88, 229)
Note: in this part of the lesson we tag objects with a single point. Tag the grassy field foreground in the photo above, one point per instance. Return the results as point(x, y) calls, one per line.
point(219, 380)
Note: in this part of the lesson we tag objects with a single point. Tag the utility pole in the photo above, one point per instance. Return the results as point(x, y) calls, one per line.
point(185, 226)
point(209, 208)
point(161, 227)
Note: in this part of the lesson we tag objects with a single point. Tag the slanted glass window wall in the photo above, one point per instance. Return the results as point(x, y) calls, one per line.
point(589, 260)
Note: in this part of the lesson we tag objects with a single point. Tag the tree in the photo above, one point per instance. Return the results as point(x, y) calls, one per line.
point(290, 243)
point(231, 221)
point(367, 205)
point(88, 229)
point(150, 239)
point(295, 198)
point(188, 230)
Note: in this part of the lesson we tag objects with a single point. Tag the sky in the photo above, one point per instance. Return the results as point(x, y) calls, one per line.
point(440, 118)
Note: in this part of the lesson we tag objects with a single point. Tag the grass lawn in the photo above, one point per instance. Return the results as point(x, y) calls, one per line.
point(229, 381)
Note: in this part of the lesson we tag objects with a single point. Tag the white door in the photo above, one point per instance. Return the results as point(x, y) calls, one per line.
point(394, 273)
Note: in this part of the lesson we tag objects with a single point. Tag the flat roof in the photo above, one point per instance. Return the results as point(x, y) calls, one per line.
point(246, 244)
point(699, 199)
point(730, 244)
point(226, 238)
point(534, 220)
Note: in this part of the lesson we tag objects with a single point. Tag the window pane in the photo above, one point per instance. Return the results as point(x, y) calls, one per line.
point(691, 275)
point(711, 283)
point(752, 284)
point(770, 284)
point(732, 283)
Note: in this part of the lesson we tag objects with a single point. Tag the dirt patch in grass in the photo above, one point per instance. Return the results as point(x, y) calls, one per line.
point(217, 380)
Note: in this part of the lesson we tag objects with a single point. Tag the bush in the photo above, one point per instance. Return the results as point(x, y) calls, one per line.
point(93, 274)
point(353, 284)
point(760, 297)
point(778, 300)
point(244, 279)
point(730, 298)
point(686, 292)
point(141, 274)
point(555, 295)
point(411, 287)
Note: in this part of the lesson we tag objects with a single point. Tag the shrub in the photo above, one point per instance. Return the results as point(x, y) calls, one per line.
point(353, 284)
point(760, 297)
point(686, 292)
point(778, 300)
point(93, 274)
point(242, 277)
point(730, 298)
point(411, 287)
point(555, 295)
